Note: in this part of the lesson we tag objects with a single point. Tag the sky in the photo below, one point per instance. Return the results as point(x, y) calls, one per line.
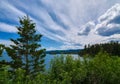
point(64, 24)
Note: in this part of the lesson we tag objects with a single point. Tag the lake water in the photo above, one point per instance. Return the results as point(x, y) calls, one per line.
point(47, 58)
point(50, 56)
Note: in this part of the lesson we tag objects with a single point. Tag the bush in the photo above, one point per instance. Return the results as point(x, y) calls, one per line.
point(101, 69)
point(67, 69)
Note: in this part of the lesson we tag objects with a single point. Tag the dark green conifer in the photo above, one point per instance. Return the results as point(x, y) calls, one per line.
point(1, 49)
point(26, 52)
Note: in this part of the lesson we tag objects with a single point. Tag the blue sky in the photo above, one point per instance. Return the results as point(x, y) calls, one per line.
point(65, 24)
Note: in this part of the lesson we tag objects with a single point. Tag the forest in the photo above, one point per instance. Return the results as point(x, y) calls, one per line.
point(100, 63)
point(113, 48)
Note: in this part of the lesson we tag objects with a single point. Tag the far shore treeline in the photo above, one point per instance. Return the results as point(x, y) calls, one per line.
point(113, 48)
point(100, 63)
point(72, 51)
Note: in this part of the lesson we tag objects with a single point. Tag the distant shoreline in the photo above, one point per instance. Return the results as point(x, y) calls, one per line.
point(76, 51)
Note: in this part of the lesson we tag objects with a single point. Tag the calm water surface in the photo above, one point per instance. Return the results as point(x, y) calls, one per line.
point(48, 58)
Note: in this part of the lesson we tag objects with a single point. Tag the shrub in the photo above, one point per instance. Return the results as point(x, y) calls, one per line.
point(101, 69)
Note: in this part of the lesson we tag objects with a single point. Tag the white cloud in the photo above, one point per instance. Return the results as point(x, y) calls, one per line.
point(9, 11)
point(109, 23)
point(110, 13)
point(107, 29)
point(85, 29)
point(51, 48)
point(7, 28)
point(5, 42)
point(72, 13)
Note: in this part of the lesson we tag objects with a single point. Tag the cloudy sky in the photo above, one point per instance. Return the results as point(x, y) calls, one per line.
point(65, 24)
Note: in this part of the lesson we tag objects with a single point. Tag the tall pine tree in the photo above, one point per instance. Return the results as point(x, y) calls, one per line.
point(26, 52)
point(1, 49)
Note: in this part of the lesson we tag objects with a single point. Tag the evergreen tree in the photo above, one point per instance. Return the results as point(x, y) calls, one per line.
point(1, 49)
point(26, 52)
point(113, 48)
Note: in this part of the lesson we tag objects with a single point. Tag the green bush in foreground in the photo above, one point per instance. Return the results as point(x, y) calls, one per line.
point(102, 69)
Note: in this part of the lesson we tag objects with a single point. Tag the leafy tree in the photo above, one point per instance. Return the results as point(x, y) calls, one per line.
point(101, 69)
point(67, 70)
point(26, 52)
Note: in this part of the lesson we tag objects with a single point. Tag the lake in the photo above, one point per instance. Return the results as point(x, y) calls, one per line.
point(51, 56)
point(47, 58)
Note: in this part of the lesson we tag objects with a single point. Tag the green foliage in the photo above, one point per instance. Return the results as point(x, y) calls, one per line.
point(102, 69)
point(27, 62)
point(113, 48)
point(67, 70)
point(1, 49)
point(26, 52)
point(4, 76)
